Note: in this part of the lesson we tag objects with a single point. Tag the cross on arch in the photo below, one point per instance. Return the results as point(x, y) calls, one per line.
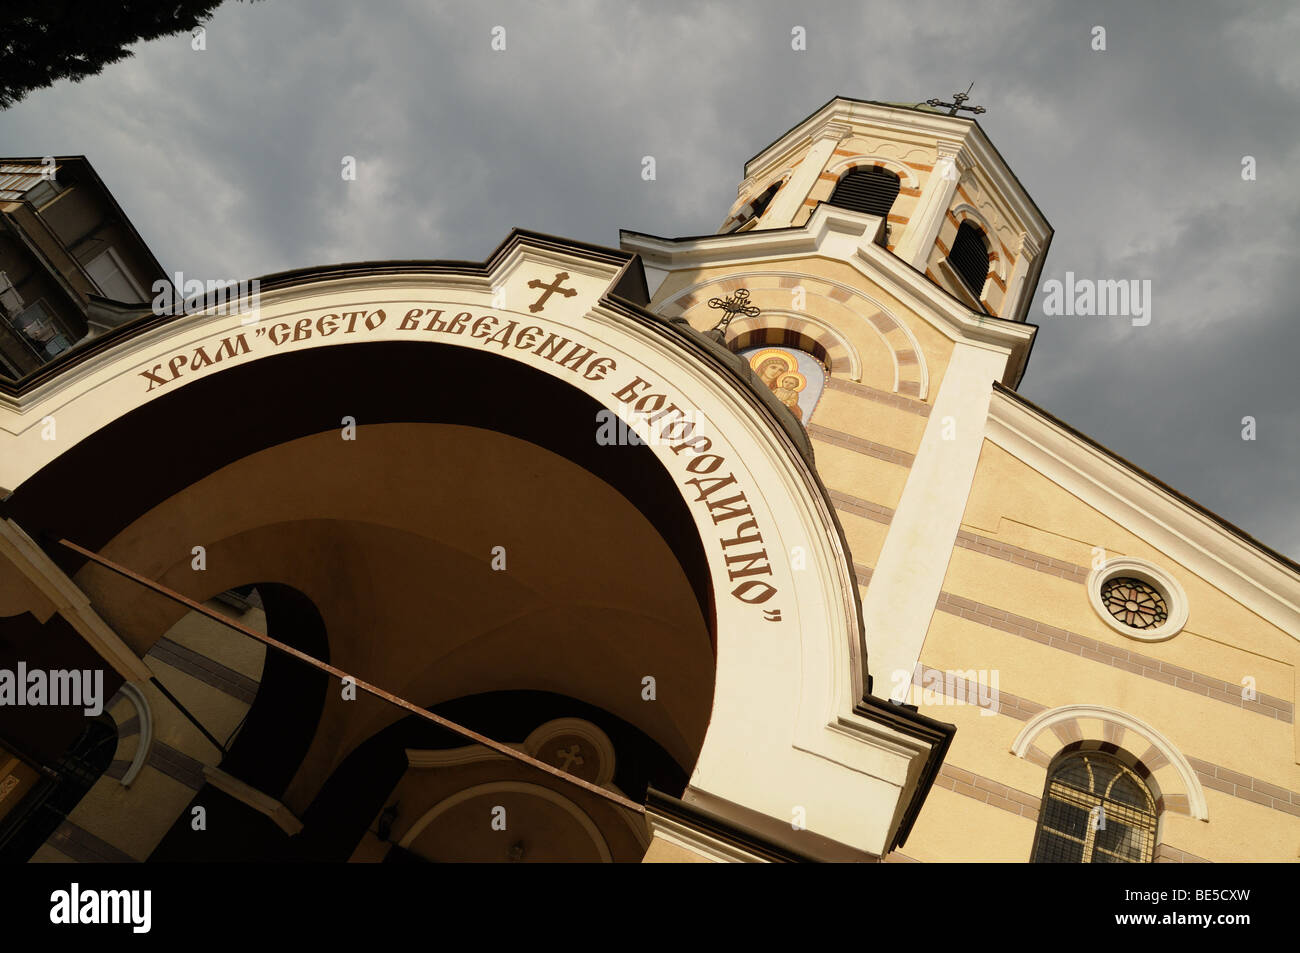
point(550, 289)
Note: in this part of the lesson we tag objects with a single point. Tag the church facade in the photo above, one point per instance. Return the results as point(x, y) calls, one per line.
point(738, 547)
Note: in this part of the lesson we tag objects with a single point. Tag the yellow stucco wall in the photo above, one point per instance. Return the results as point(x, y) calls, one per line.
point(849, 317)
point(849, 411)
point(1013, 504)
point(135, 819)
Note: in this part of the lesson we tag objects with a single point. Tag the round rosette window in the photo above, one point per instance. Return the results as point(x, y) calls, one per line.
point(1138, 599)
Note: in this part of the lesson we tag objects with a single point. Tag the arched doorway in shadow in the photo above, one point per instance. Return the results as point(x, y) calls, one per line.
point(363, 811)
point(280, 724)
point(372, 543)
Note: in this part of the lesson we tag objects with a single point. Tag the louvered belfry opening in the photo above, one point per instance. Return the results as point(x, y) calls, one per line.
point(866, 188)
point(970, 257)
point(756, 207)
point(763, 201)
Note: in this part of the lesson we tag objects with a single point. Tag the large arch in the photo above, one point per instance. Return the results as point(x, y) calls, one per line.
point(602, 570)
point(203, 426)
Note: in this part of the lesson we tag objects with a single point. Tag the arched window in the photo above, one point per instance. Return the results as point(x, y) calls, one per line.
point(866, 188)
point(752, 211)
point(970, 257)
point(763, 201)
point(1096, 810)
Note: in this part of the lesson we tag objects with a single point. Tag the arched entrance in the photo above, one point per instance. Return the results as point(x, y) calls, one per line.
point(425, 453)
point(505, 551)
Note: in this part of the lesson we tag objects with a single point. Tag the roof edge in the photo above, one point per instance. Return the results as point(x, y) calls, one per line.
point(1155, 482)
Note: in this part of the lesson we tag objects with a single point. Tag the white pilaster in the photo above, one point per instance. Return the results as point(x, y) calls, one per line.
point(936, 198)
point(1026, 254)
point(909, 574)
point(30, 561)
point(781, 213)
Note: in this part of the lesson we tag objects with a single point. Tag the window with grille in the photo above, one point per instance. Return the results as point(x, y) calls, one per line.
point(866, 188)
point(1096, 811)
point(1135, 603)
point(970, 257)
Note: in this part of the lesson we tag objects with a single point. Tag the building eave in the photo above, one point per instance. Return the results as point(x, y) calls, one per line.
point(905, 120)
point(845, 236)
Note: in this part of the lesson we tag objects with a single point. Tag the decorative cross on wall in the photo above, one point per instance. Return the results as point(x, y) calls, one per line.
point(550, 289)
point(570, 756)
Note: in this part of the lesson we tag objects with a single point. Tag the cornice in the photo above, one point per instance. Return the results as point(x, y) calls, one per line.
point(729, 832)
point(935, 734)
point(849, 237)
point(973, 144)
point(989, 161)
point(850, 111)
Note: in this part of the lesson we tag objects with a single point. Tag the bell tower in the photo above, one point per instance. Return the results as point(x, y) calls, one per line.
point(949, 205)
point(873, 275)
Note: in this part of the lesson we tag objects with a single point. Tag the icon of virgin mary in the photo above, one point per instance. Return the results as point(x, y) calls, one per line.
point(778, 370)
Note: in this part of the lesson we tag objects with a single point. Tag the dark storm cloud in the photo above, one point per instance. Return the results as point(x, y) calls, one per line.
point(229, 161)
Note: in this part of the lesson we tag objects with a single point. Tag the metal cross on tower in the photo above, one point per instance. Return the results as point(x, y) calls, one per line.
point(738, 303)
point(956, 104)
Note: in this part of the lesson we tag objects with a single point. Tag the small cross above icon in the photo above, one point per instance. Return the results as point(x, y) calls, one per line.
point(736, 304)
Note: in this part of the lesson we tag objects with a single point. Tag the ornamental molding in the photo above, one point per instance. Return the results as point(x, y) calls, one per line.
point(908, 124)
point(1043, 721)
point(906, 176)
point(1153, 575)
point(879, 307)
point(523, 788)
point(144, 742)
point(845, 236)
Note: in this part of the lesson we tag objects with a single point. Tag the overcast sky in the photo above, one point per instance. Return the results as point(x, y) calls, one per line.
point(229, 160)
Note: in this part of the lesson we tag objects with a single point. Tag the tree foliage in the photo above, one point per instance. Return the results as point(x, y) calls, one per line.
point(54, 40)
